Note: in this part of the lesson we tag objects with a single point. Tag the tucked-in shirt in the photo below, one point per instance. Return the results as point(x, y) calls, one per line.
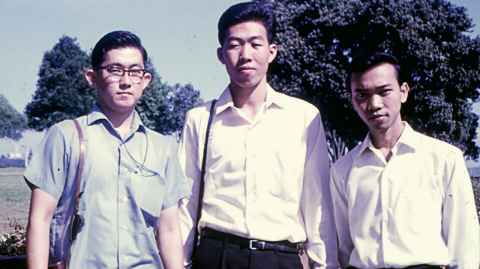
point(416, 208)
point(266, 178)
point(125, 185)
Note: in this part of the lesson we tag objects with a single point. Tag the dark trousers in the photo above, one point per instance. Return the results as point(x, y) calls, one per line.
point(218, 254)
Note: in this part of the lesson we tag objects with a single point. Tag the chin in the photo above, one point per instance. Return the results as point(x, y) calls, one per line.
point(246, 84)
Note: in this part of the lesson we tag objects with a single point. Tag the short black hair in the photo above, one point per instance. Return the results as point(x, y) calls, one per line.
point(115, 40)
point(247, 11)
point(364, 61)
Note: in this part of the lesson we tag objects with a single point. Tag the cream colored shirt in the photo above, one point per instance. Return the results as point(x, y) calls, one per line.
point(266, 179)
point(417, 208)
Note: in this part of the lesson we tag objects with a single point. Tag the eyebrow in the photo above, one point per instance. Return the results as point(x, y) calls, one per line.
point(381, 87)
point(251, 38)
point(130, 66)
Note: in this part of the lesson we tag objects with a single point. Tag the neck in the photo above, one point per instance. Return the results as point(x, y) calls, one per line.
point(121, 121)
point(385, 140)
point(249, 97)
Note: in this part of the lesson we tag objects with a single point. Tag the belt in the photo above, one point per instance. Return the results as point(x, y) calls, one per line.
point(252, 244)
point(417, 266)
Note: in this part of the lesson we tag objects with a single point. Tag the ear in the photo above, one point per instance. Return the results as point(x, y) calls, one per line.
point(220, 55)
point(404, 90)
point(147, 78)
point(273, 52)
point(90, 76)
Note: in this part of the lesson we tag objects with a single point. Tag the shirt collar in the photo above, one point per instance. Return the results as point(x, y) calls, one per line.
point(408, 140)
point(273, 98)
point(96, 115)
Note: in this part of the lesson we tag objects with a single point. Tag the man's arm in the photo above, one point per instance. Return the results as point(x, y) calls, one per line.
point(42, 207)
point(460, 227)
point(316, 204)
point(188, 156)
point(169, 239)
point(340, 213)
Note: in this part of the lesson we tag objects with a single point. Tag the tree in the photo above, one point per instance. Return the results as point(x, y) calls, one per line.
point(163, 107)
point(441, 62)
point(62, 91)
point(12, 123)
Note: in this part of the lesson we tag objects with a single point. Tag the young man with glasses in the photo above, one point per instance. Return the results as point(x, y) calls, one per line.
point(131, 181)
point(266, 194)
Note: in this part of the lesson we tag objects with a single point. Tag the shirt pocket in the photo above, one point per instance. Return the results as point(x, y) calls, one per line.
point(149, 190)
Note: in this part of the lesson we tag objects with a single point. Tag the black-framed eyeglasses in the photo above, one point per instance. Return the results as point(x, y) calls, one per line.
point(116, 72)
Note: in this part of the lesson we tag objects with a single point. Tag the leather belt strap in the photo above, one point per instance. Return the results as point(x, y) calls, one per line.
point(252, 244)
point(416, 266)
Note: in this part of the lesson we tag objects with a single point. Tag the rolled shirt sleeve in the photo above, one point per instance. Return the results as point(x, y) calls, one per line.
point(460, 227)
point(316, 205)
point(340, 212)
point(175, 177)
point(48, 166)
point(188, 160)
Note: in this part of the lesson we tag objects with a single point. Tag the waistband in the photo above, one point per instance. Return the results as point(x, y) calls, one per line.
point(417, 266)
point(252, 244)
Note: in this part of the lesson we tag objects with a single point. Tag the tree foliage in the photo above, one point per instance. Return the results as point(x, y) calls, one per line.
point(441, 62)
point(12, 123)
point(63, 93)
point(163, 107)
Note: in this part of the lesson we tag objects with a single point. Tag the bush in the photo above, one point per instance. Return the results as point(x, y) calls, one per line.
point(476, 192)
point(14, 243)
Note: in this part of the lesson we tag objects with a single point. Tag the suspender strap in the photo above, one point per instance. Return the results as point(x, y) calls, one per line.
point(202, 176)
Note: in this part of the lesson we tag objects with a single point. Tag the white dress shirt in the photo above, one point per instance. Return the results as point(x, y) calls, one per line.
point(265, 179)
point(417, 208)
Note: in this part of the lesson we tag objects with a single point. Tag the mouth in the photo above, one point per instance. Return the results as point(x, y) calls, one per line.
point(376, 116)
point(124, 93)
point(245, 68)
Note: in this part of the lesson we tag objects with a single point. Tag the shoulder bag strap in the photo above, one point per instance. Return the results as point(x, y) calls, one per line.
point(202, 176)
point(78, 176)
point(81, 161)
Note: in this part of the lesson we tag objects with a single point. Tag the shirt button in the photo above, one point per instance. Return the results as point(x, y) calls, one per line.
point(123, 199)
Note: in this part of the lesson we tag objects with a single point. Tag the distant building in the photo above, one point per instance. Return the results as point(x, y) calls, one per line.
point(474, 171)
point(11, 149)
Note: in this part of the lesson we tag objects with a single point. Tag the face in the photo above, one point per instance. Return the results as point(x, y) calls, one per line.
point(377, 97)
point(246, 54)
point(117, 92)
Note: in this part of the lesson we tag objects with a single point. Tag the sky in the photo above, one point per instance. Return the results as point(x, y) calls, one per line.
point(180, 36)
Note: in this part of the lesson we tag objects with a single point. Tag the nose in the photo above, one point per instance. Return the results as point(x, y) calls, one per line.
point(375, 103)
point(246, 52)
point(125, 81)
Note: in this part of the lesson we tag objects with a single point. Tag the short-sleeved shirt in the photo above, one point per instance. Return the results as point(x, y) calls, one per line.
point(126, 183)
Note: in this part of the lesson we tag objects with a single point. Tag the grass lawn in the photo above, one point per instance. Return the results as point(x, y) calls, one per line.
point(14, 199)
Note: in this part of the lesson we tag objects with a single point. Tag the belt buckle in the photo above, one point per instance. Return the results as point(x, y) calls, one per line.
point(253, 241)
